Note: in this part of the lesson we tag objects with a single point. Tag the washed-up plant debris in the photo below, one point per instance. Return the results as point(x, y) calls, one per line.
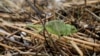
point(49, 28)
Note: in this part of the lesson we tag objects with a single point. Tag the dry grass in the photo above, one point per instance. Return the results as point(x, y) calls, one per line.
point(18, 40)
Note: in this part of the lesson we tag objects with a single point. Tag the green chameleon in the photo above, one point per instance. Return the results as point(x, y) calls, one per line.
point(57, 27)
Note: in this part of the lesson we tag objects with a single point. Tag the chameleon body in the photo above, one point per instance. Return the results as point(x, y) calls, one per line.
point(57, 27)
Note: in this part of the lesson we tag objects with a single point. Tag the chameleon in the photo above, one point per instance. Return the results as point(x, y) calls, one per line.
point(57, 27)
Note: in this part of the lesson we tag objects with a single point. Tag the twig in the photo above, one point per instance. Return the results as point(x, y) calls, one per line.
point(77, 48)
point(19, 43)
point(85, 1)
point(32, 53)
point(82, 38)
point(12, 34)
point(44, 19)
point(88, 47)
point(15, 36)
point(82, 41)
point(38, 12)
point(93, 34)
point(80, 3)
point(94, 15)
point(9, 47)
point(27, 31)
point(17, 16)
